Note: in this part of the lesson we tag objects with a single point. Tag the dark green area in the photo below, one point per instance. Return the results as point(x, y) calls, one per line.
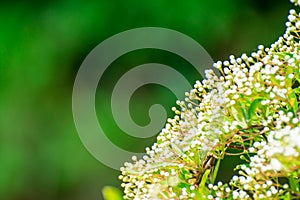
point(42, 44)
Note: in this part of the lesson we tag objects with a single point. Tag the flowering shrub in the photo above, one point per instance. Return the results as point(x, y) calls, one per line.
point(251, 110)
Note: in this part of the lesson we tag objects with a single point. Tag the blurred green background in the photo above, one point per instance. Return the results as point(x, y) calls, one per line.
point(42, 44)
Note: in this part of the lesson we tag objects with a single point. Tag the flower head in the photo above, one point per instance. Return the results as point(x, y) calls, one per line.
point(251, 109)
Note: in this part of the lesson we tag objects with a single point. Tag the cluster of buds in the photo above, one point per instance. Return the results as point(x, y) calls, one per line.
point(251, 110)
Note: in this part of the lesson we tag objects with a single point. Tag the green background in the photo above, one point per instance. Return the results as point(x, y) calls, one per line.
point(42, 44)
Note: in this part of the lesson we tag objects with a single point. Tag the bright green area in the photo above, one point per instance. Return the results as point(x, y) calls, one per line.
point(42, 45)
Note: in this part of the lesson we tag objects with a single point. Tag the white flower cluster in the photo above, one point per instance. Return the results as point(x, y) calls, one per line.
point(279, 157)
point(296, 2)
point(181, 147)
point(258, 179)
point(251, 110)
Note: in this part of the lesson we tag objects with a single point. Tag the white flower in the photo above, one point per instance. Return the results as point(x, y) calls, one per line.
point(206, 125)
point(276, 165)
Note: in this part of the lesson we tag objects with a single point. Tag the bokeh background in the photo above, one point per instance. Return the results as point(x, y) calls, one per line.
point(42, 44)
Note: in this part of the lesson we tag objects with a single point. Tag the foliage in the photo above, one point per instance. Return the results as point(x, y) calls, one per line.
point(251, 110)
point(111, 193)
point(42, 44)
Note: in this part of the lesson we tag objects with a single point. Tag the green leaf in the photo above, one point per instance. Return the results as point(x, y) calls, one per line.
point(202, 187)
point(294, 183)
point(215, 172)
point(282, 55)
point(243, 109)
point(185, 174)
point(252, 110)
point(287, 196)
point(296, 90)
point(297, 76)
point(238, 115)
point(293, 100)
point(111, 193)
point(288, 80)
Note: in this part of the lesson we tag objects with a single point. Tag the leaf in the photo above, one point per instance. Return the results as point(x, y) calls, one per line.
point(297, 76)
point(282, 55)
point(296, 90)
point(288, 81)
point(202, 188)
point(215, 172)
point(293, 100)
point(244, 112)
point(255, 105)
point(294, 183)
point(111, 193)
point(287, 196)
point(238, 115)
